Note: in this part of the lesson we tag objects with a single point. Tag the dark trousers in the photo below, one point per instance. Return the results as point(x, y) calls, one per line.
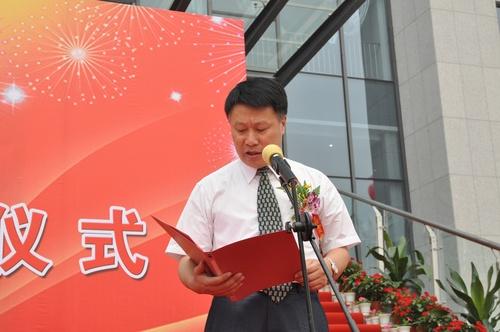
point(257, 313)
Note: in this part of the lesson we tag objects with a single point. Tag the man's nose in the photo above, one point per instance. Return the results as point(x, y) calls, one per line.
point(251, 139)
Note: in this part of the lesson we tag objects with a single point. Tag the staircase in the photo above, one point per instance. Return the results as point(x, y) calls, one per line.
point(337, 322)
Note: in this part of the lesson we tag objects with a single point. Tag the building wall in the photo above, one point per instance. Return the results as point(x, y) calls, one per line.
point(448, 66)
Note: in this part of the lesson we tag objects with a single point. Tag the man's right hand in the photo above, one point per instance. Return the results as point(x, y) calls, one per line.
point(194, 277)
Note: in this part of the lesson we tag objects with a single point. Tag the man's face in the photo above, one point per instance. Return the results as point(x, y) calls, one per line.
point(253, 129)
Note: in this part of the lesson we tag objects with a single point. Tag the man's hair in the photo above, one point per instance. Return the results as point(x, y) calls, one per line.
point(258, 92)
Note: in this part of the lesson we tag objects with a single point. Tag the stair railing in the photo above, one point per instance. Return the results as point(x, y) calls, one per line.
point(381, 217)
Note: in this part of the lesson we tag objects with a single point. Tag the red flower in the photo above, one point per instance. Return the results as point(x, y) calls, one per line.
point(480, 327)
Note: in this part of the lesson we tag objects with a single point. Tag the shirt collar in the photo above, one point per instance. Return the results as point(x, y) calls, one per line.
point(249, 172)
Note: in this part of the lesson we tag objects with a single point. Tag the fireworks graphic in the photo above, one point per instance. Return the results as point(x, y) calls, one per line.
point(74, 61)
point(219, 146)
point(224, 70)
point(86, 52)
point(90, 54)
point(96, 64)
point(156, 28)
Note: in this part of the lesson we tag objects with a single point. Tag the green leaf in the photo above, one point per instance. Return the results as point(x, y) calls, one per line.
point(402, 267)
point(317, 190)
point(402, 246)
point(449, 292)
point(377, 255)
point(477, 292)
point(490, 274)
point(391, 252)
point(420, 257)
point(488, 306)
point(417, 282)
point(496, 287)
point(418, 271)
point(387, 240)
point(461, 295)
point(458, 280)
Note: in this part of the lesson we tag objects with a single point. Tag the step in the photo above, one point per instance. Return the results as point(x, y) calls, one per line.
point(331, 306)
point(325, 296)
point(346, 328)
point(340, 318)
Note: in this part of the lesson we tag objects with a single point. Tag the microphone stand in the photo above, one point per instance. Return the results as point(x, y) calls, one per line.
point(303, 226)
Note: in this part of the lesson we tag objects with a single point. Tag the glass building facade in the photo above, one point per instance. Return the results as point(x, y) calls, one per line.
point(343, 115)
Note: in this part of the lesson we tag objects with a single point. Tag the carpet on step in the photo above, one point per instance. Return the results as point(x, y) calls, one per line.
point(340, 318)
point(346, 328)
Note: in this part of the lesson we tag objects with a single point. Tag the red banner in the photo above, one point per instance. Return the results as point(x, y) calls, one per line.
point(109, 113)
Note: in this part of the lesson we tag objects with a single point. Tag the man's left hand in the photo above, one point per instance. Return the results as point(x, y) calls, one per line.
point(316, 277)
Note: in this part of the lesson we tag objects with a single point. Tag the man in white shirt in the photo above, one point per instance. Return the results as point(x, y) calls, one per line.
point(222, 209)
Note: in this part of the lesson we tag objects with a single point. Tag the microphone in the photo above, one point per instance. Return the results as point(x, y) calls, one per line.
point(273, 156)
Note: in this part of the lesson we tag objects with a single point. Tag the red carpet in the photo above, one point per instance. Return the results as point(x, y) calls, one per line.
point(337, 322)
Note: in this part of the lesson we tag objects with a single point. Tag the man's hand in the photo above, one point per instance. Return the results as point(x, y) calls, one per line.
point(195, 278)
point(316, 277)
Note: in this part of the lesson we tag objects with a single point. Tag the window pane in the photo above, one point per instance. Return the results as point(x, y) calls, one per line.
point(297, 21)
point(374, 129)
point(344, 184)
point(239, 8)
point(316, 129)
point(498, 16)
point(387, 192)
point(199, 6)
point(264, 54)
point(327, 60)
point(367, 42)
point(165, 4)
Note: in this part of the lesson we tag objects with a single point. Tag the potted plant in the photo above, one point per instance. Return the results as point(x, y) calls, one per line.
point(399, 265)
point(364, 305)
point(374, 288)
point(429, 313)
point(403, 313)
point(349, 279)
point(456, 325)
point(479, 302)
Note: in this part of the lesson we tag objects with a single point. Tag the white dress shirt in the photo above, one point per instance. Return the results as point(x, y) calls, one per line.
point(222, 209)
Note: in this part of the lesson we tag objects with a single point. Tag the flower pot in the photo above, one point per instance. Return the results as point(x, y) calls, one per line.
point(365, 307)
point(353, 307)
point(386, 308)
point(373, 320)
point(385, 318)
point(404, 328)
point(349, 297)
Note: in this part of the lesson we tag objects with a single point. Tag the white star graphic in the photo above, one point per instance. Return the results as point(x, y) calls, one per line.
point(176, 96)
point(13, 95)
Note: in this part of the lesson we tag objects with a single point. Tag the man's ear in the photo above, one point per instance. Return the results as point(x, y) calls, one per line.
point(283, 124)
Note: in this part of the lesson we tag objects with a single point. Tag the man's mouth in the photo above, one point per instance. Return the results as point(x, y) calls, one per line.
point(253, 153)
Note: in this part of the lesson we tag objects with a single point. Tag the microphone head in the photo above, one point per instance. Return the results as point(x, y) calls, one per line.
point(271, 150)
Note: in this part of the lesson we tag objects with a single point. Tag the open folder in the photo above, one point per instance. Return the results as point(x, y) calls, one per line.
point(264, 260)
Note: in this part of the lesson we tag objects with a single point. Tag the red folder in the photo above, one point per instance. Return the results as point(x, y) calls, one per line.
point(264, 260)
